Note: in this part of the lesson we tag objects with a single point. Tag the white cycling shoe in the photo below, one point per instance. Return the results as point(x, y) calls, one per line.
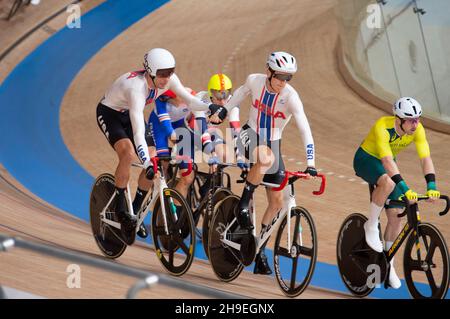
point(373, 238)
point(394, 281)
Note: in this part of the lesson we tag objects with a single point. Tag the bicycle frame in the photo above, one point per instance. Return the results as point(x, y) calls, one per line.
point(412, 224)
point(288, 203)
point(159, 185)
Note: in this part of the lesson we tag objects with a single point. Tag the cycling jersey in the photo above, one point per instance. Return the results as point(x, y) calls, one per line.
point(270, 112)
point(130, 92)
point(383, 140)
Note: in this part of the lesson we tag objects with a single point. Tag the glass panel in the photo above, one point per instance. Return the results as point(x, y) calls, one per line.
point(366, 48)
point(436, 29)
point(409, 54)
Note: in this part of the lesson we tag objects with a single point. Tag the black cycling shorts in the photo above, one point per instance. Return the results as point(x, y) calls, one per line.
point(116, 125)
point(248, 140)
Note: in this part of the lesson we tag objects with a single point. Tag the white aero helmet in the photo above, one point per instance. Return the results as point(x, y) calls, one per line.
point(158, 59)
point(282, 62)
point(407, 108)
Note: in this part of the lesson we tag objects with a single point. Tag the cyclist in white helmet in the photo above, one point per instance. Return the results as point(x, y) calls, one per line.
point(120, 116)
point(274, 102)
point(375, 162)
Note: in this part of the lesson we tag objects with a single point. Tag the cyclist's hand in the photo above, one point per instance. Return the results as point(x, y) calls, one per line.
point(433, 194)
point(213, 159)
point(218, 113)
point(411, 196)
point(311, 171)
point(150, 172)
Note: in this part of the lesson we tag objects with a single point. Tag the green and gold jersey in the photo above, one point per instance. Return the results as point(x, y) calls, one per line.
point(383, 140)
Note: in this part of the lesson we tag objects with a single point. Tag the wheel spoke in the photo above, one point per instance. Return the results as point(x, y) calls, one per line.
point(431, 281)
point(306, 251)
point(283, 252)
point(430, 252)
point(294, 272)
point(415, 265)
point(181, 243)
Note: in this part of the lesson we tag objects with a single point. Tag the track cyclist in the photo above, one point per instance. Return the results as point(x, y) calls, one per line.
point(120, 117)
point(375, 162)
point(274, 102)
point(172, 120)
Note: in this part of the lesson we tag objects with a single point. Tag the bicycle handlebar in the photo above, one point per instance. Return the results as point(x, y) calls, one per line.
point(405, 203)
point(297, 175)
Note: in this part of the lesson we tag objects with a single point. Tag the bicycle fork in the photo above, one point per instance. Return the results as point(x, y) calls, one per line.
point(289, 203)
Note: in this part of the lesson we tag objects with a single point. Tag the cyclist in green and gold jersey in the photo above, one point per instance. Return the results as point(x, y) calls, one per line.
point(375, 163)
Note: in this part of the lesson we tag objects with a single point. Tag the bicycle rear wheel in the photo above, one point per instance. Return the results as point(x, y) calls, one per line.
point(357, 262)
point(176, 248)
point(429, 277)
point(225, 260)
point(294, 268)
point(218, 195)
point(107, 237)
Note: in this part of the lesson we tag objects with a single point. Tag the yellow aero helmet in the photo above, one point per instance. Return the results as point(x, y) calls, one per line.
point(219, 82)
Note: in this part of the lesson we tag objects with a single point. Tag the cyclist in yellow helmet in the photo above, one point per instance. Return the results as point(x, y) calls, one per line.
point(219, 92)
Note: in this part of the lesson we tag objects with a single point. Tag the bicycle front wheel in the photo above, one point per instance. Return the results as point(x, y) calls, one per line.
point(175, 247)
point(425, 263)
point(294, 268)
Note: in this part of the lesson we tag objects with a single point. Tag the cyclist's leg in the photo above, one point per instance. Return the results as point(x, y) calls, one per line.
point(113, 124)
point(261, 158)
point(144, 184)
point(393, 228)
point(275, 176)
point(372, 171)
point(219, 147)
point(185, 181)
point(187, 149)
point(275, 204)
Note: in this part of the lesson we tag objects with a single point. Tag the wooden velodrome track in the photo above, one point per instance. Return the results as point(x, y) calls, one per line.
point(206, 37)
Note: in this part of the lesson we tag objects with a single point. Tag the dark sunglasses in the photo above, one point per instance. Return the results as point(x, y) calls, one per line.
point(282, 76)
point(165, 73)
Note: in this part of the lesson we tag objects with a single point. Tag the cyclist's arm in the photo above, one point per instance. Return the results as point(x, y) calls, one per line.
point(387, 157)
point(235, 126)
point(137, 104)
point(164, 117)
point(239, 95)
point(423, 150)
point(296, 108)
point(194, 103)
point(427, 165)
point(201, 128)
point(390, 166)
point(384, 150)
